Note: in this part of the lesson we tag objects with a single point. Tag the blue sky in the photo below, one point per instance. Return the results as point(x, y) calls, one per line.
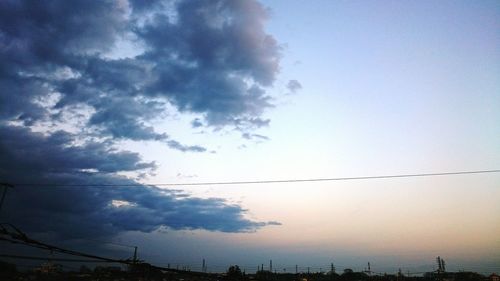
point(148, 93)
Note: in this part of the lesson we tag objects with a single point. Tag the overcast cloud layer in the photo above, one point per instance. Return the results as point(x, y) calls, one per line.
point(67, 94)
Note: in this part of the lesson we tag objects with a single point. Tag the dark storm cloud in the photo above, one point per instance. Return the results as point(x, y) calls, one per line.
point(30, 153)
point(210, 58)
point(57, 210)
point(221, 59)
point(34, 158)
point(37, 38)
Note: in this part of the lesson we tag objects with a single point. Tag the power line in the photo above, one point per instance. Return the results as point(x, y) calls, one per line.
point(108, 243)
point(9, 233)
point(264, 181)
point(51, 259)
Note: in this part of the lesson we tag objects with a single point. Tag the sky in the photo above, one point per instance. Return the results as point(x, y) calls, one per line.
point(132, 92)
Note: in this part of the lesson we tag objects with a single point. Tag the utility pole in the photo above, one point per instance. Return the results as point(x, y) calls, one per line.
point(271, 265)
point(296, 269)
point(203, 268)
point(135, 254)
point(440, 267)
point(4, 193)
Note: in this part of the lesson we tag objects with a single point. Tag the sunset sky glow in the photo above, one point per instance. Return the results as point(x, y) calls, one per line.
point(121, 92)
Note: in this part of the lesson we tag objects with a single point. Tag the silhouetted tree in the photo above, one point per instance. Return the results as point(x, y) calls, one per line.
point(264, 275)
point(468, 276)
point(350, 275)
point(234, 273)
point(8, 271)
point(332, 275)
point(85, 269)
point(7, 267)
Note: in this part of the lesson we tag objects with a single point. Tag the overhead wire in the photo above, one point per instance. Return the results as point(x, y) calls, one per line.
point(262, 181)
point(50, 258)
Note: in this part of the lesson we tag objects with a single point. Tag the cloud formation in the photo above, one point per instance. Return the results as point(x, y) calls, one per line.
point(35, 158)
point(71, 86)
point(293, 86)
point(211, 58)
point(254, 136)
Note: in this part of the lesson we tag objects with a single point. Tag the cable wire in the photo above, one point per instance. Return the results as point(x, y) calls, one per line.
point(264, 181)
point(50, 258)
